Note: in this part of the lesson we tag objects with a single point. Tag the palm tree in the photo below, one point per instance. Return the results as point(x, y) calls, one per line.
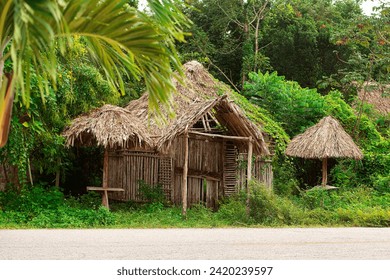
point(119, 38)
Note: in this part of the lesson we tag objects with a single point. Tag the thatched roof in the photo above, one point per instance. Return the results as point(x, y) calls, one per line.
point(327, 139)
point(109, 126)
point(377, 96)
point(200, 94)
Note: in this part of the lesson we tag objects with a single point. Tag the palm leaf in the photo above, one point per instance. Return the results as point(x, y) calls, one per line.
point(122, 40)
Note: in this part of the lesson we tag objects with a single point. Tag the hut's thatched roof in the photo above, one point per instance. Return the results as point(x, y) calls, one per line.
point(377, 96)
point(200, 94)
point(108, 126)
point(327, 139)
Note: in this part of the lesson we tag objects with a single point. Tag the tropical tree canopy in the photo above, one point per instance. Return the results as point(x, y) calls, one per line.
point(120, 39)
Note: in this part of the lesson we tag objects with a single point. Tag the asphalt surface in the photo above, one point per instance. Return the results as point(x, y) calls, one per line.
point(193, 244)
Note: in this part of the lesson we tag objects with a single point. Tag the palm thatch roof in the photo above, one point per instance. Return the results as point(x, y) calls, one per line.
point(109, 126)
point(327, 139)
point(200, 94)
point(377, 96)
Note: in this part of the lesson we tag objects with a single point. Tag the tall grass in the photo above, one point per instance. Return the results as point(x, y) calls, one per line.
point(44, 207)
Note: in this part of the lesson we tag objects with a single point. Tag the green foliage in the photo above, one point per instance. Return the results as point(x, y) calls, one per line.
point(259, 115)
point(233, 210)
point(269, 209)
point(121, 39)
point(291, 38)
point(90, 200)
point(42, 207)
point(31, 200)
point(154, 194)
point(45, 207)
point(297, 108)
point(285, 174)
point(294, 107)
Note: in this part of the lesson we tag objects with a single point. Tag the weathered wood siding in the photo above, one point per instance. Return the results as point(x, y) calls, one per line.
point(216, 168)
point(128, 168)
point(205, 170)
point(261, 171)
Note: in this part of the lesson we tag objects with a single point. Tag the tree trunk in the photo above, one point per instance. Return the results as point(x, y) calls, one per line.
point(58, 174)
point(255, 66)
point(6, 101)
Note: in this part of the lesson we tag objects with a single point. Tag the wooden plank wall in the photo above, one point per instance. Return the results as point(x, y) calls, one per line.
point(261, 170)
point(127, 168)
point(205, 170)
point(215, 168)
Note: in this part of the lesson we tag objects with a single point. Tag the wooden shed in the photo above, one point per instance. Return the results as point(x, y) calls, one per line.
point(198, 156)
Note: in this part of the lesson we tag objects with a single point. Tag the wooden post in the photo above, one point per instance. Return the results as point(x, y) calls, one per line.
point(105, 180)
point(185, 173)
point(249, 172)
point(324, 172)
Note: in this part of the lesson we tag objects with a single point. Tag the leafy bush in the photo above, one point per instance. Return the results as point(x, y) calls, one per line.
point(90, 200)
point(152, 193)
point(233, 210)
point(268, 208)
point(285, 182)
point(31, 199)
point(46, 207)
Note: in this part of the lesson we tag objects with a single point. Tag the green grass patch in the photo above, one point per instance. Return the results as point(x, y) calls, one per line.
point(44, 207)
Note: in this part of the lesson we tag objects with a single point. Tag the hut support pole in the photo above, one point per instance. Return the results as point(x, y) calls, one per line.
point(324, 172)
point(249, 172)
point(105, 180)
point(185, 173)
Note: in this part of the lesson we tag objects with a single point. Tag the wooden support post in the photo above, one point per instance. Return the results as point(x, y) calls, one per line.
point(105, 180)
point(249, 172)
point(324, 172)
point(185, 173)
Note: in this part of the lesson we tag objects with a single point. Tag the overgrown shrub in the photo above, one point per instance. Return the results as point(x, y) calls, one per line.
point(46, 207)
point(31, 199)
point(152, 193)
point(233, 210)
point(90, 200)
point(268, 208)
point(285, 182)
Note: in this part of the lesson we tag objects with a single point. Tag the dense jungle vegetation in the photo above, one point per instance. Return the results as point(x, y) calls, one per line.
point(296, 61)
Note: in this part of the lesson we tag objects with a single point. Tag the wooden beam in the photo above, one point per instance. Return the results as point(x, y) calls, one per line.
point(105, 180)
point(324, 172)
point(240, 138)
point(249, 172)
point(216, 176)
point(184, 185)
point(105, 189)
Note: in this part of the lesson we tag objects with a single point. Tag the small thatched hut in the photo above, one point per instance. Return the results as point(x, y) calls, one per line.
point(326, 139)
point(198, 156)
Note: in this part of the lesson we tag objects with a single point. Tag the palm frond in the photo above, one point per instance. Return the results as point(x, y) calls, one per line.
point(122, 40)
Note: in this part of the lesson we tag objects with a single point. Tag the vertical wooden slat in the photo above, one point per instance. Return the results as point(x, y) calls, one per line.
point(105, 179)
point(185, 173)
point(249, 171)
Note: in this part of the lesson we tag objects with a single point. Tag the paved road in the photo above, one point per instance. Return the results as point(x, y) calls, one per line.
point(232, 243)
